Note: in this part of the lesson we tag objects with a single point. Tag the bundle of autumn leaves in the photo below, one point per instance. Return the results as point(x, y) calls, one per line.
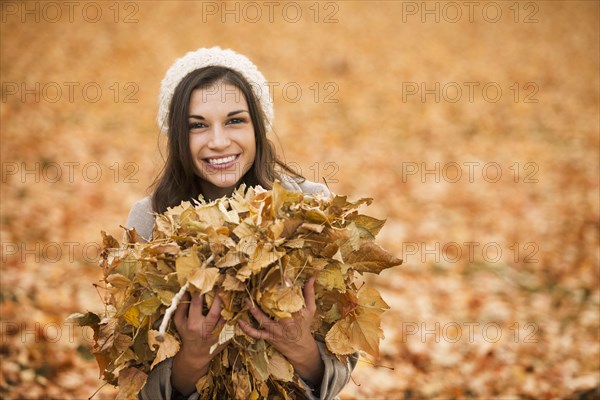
point(255, 244)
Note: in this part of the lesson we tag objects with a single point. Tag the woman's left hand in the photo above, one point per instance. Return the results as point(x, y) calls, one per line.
point(292, 336)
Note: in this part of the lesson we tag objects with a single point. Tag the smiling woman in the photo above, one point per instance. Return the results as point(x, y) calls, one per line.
point(221, 138)
point(217, 117)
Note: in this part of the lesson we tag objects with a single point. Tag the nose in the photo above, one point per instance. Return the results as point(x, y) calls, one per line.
point(219, 138)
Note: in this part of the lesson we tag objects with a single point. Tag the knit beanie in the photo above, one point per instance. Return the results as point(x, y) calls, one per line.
point(214, 56)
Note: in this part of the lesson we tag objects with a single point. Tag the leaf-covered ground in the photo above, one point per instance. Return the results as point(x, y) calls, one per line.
point(477, 136)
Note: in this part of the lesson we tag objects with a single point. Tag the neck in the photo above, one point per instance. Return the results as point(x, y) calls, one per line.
point(212, 192)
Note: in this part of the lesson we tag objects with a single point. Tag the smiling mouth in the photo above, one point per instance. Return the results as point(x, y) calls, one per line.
point(221, 160)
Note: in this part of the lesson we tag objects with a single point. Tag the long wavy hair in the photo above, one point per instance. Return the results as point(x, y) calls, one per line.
point(177, 180)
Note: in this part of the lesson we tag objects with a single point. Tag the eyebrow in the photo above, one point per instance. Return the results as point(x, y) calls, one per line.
point(228, 114)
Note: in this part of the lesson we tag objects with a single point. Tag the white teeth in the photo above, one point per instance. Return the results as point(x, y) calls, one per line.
point(219, 161)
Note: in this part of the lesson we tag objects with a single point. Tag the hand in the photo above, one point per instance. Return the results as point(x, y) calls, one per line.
point(291, 336)
point(197, 337)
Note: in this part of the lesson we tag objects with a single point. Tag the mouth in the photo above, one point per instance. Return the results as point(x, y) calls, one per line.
point(221, 162)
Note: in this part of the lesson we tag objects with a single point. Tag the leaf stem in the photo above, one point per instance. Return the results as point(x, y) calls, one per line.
point(175, 302)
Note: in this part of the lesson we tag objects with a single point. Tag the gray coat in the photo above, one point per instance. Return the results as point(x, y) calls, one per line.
point(158, 387)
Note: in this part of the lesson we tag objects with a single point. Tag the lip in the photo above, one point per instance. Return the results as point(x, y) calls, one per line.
point(221, 166)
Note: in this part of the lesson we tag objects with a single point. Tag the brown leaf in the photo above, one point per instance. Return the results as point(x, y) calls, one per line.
point(131, 381)
point(370, 258)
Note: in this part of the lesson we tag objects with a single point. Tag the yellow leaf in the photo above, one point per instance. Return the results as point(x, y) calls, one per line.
point(262, 257)
point(227, 332)
point(241, 384)
point(353, 236)
point(355, 333)
point(132, 316)
point(245, 229)
point(264, 389)
point(211, 215)
point(127, 266)
point(369, 227)
point(204, 383)
point(167, 348)
point(118, 280)
point(231, 283)
point(230, 216)
point(280, 368)
point(185, 264)
point(370, 300)
point(281, 301)
point(276, 229)
point(259, 364)
point(165, 296)
point(204, 279)
point(365, 333)
point(332, 315)
point(338, 338)
point(247, 245)
point(331, 278)
point(149, 306)
point(280, 196)
point(307, 227)
point(231, 259)
point(297, 243)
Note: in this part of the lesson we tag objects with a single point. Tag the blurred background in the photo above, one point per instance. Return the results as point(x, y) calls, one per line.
point(473, 125)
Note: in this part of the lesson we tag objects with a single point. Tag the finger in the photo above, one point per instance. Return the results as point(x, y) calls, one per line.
point(251, 331)
point(309, 294)
point(262, 318)
point(181, 311)
point(196, 305)
point(215, 311)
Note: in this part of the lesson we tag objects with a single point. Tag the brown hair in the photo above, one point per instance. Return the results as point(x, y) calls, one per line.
point(177, 180)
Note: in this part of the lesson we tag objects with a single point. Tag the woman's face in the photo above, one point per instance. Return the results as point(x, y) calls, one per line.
point(221, 138)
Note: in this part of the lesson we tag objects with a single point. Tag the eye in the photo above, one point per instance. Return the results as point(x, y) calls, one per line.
point(197, 125)
point(235, 121)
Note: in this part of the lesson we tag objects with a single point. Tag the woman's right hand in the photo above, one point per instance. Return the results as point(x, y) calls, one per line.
point(197, 334)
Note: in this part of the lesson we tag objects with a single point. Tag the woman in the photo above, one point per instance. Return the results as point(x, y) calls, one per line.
point(216, 110)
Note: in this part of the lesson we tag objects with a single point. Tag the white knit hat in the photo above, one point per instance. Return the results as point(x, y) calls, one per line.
point(214, 56)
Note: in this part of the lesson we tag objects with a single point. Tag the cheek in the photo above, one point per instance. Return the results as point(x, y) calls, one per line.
point(194, 146)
